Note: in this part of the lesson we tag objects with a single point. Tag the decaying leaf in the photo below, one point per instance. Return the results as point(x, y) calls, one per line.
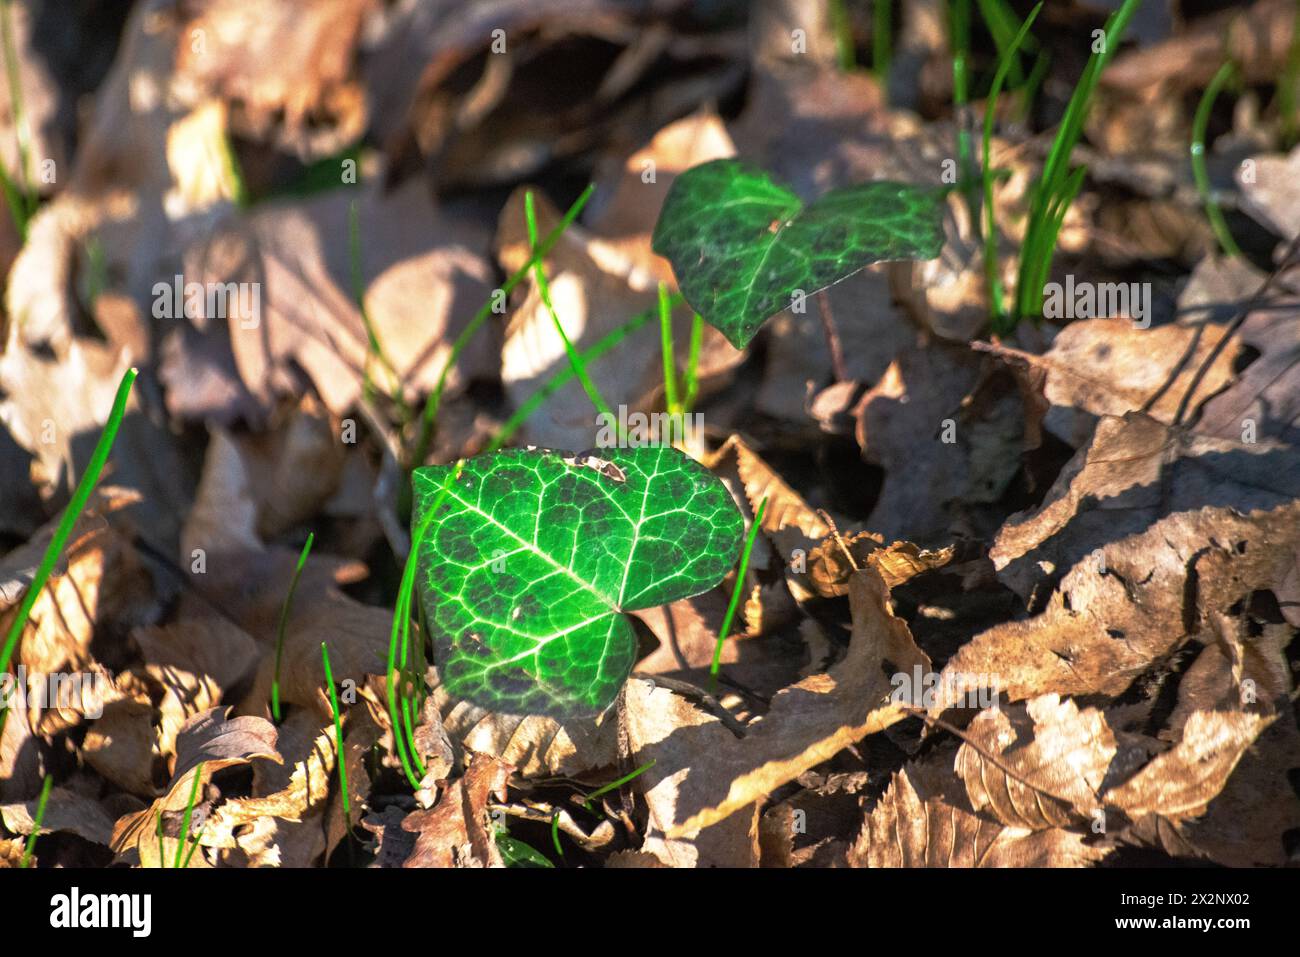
point(458, 831)
point(807, 722)
point(1051, 760)
point(1132, 582)
point(208, 739)
point(923, 820)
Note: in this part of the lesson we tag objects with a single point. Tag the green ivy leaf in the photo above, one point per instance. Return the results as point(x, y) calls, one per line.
point(533, 555)
point(741, 244)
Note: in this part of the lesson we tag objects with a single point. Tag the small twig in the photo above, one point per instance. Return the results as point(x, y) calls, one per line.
point(688, 690)
point(979, 749)
point(832, 337)
point(835, 533)
point(1286, 263)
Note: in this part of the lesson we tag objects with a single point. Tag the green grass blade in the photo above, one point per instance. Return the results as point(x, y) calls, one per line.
point(400, 635)
point(338, 734)
point(284, 620)
point(544, 290)
point(70, 515)
point(693, 363)
point(1040, 236)
point(666, 346)
point(842, 28)
point(1199, 124)
point(194, 846)
point(960, 26)
point(189, 811)
point(735, 591)
point(26, 860)
point(991, 265)
point(564, 376)
point(614, 785)
point(434, 402)
point(882, 41)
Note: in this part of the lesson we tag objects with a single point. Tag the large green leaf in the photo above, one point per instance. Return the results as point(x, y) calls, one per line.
point(741, 245)
point(528, 564)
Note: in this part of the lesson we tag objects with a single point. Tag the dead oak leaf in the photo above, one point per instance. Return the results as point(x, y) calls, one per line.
point(1134, 474)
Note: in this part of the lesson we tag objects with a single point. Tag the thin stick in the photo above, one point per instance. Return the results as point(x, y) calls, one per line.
point(832, 337)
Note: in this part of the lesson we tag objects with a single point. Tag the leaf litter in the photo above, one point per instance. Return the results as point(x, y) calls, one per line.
point(1090, 520)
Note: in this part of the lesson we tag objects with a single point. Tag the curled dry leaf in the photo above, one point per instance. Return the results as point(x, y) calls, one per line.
point(458, 831)
point(830, 568)
point(99, 584)
point(196, 661)
point(1110, 367)
point(535, 746)
point(209, 739)
point(65, 811)
point(1138, 582)
point(670, 731)
point(1134, 474)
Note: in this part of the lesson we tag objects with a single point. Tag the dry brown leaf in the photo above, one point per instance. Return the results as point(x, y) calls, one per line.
point(830, 568)
point(209, 739)
point(196, 661)
point(1110, 367)
point(1051, 759)
point(285, 66)
point(901, 421)
point(788, 520)
point(923, 820)
point(808, 722)
point(1183, 781)
point(424, 278)
point(667, 729)
point(533, 745)
point(247, 581)
point(120, 744)
point(100, 583)
point(458, 831)
point(65, 811)
point(687, 632)
point(1133, 474)
point(1126, 599)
